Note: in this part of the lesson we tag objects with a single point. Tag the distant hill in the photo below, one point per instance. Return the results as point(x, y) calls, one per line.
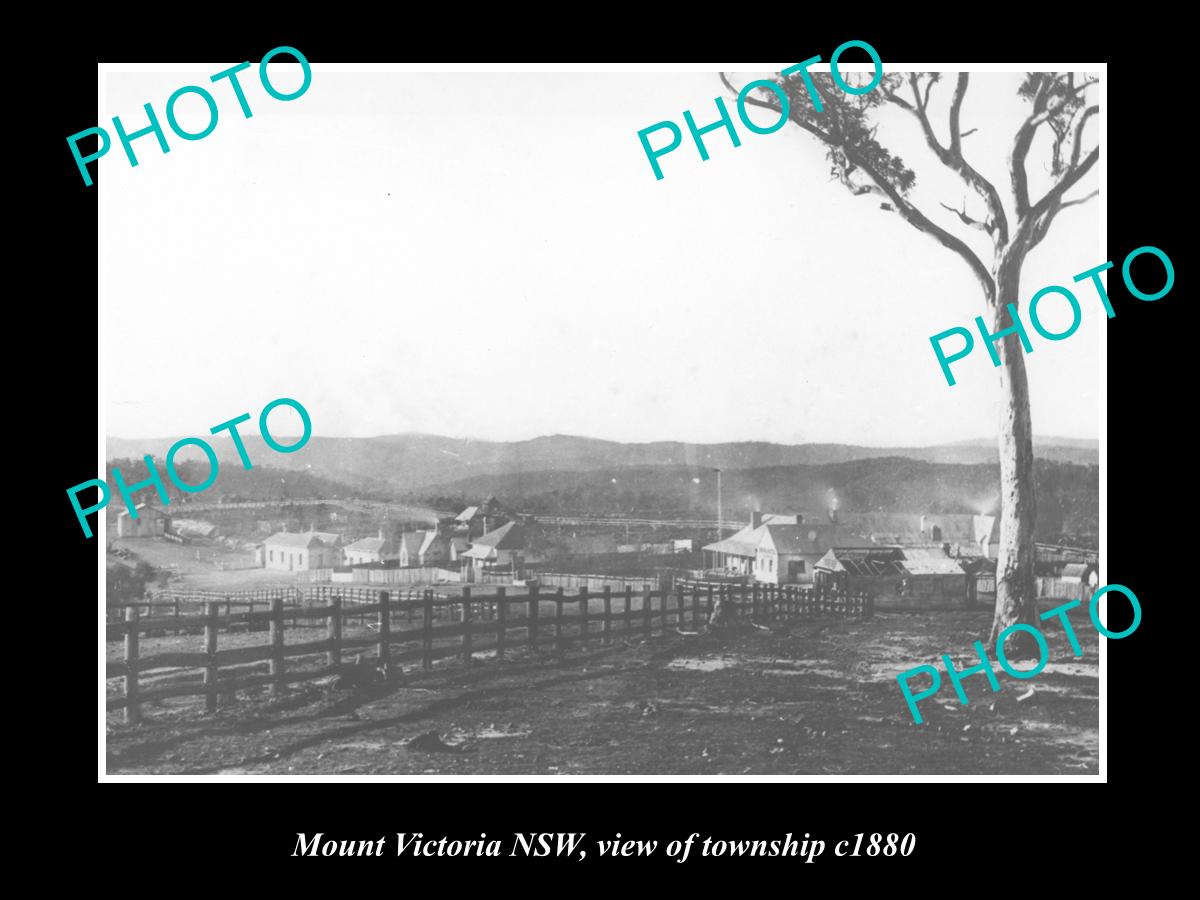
point(235, 484)
point(409, 462)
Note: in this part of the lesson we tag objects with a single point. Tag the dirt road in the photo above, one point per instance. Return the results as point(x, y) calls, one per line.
point(812, 698)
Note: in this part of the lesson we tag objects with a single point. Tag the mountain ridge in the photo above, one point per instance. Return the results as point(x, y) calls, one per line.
point(417, 461)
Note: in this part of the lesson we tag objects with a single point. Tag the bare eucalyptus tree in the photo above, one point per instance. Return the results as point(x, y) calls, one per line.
point(1058, 102)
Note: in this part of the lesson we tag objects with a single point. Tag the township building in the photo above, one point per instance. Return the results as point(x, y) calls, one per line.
point(371, 550)
point(507, 546)
point(410, 548)
point(478, 520)
point(193, 528)
point(150, 522)
point(967, 534)
point(914, 577)
point(779, 549)
point(431, 547)
point(292, 552)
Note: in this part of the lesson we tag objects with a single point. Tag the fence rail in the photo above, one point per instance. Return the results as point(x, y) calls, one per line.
point(421, 629)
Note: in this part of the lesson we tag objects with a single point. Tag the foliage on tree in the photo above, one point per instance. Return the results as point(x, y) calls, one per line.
point(860, 160)
point(865, 165)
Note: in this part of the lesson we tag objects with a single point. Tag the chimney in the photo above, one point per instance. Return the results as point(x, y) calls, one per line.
point(755, 519)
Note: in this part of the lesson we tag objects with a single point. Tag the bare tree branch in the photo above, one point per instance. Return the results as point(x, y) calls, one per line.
point(881, 185)
point(960, 91)
point(967, 220)
point(1036, 225)
point(1064, 184)
point(909, 212)
point(952, 157)
point(1077, 143)
point(1042, 227)
point(1045, 108)
point(928, 87)
point(1080, 200)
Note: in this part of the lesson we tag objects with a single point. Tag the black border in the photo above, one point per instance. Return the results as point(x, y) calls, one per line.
point(959, 825)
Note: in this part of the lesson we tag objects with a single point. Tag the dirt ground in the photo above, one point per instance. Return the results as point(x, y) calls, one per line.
point(806, 698)
point(208, 567)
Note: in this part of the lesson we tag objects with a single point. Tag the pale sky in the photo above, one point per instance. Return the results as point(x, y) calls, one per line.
point(490, 256)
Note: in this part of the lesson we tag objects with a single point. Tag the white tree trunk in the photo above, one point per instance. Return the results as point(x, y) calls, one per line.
point(1016, 589)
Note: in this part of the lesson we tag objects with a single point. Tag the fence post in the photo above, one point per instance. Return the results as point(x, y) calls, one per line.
point(583, 616)
point(385, 631)
point(133, 709)
point(628, 611)
point(210, 650)
point(501, 615)
point(466, 625)
point(532, 629)
point(754, 601)
point(333, 633)
point(647, 603)
point(276, 634)
point(869, 606)
point(607, 614)
point(427, 632)
point(558, 618)
point(708, 604)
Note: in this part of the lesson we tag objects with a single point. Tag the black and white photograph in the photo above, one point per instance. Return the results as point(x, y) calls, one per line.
point(598, 421)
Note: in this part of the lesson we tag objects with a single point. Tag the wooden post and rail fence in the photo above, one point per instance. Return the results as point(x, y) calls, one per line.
point(418, 627)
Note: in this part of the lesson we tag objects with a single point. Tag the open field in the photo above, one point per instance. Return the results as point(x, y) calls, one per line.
point(816, 697)
point(207, 567)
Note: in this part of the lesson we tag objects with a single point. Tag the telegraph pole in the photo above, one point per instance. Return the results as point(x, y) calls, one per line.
point(720, 530)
